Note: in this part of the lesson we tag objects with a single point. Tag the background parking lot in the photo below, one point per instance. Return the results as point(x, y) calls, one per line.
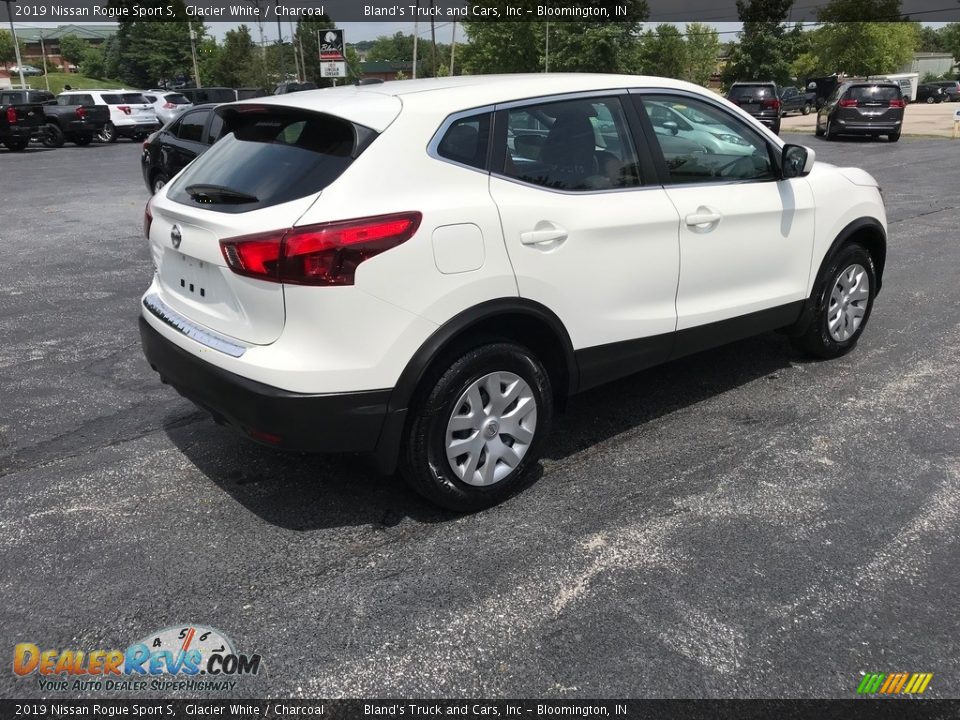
point(739, 523)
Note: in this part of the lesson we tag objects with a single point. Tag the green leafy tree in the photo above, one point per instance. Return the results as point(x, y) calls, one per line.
point(702, 49)
point(72, 49)
point(235, 58)
point(399, 48)
point(92, 63)
point(764, 50)
point(663, 52)
point(306, 38)
point(950, 39)
point(503, 47)
point(593, 46)
point(868, 48)
point(930, 40)
point(7, 52)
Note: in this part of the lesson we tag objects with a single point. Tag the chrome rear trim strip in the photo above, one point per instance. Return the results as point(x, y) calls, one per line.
point(171, 317)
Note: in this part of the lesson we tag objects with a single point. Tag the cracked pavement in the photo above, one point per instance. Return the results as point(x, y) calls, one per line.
point(740, 523)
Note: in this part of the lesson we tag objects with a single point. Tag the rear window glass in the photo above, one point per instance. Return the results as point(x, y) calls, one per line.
point(873, 92)
point(176, 99)
point(466, 141)
point(124, 99)
point(267, 158)
point(756, 91)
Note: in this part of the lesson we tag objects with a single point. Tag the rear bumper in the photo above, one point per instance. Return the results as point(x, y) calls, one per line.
point(862, 128)
point(136, 129)
point(21, 132)
point(344, 422)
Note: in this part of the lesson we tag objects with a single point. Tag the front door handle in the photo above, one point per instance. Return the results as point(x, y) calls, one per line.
point(541, 237)
point(703, 216)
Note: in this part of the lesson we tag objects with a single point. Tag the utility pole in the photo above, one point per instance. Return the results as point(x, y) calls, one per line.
point(16, 46)
point(43, 54)
point(433, 43)
point(453, 46)
point(279, 44)
point(193, 53)
point(293, 45)
point(416, 31)
point(546, 59)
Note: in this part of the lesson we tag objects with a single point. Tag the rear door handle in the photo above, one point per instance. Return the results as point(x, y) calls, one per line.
point(703, 216)
point(540, 237)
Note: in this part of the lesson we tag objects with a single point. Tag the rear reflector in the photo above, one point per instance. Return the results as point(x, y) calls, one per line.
point(324, 254)
point(265, 437)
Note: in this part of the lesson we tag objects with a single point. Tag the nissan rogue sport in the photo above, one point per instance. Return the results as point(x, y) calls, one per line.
point(425, 270)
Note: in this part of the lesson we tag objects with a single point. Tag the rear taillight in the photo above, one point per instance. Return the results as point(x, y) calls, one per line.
point(80, 112)
point(772, 104)
point(11, 115)
point(168, 106)
point(897, 103)
point(325, 254)
point(848, 102)
point(124, 108)
point(147, 221)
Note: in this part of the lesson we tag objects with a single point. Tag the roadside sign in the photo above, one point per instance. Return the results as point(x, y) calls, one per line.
point(956, 115)
point(331, 45)
point(333, 69)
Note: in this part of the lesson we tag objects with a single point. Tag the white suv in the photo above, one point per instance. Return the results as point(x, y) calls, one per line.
point(424, 270)
point(131, 115)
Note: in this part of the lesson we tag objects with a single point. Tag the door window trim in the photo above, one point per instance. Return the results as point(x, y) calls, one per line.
point(663, 174)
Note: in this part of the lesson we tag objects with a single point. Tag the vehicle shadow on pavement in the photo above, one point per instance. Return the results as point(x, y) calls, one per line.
point(304, 492)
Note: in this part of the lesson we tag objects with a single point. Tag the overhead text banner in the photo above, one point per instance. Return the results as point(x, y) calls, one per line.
point(252, 11)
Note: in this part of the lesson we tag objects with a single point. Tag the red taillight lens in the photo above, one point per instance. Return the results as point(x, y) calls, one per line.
point(772, 104)
point(325, 254)
point(11, 115)
point(848, 102)
point(897, 103)
point(168, 106)
point(147, 221)
point(80, 112)
point(124, 108)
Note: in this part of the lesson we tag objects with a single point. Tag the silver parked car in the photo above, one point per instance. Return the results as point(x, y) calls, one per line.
point(168, 105)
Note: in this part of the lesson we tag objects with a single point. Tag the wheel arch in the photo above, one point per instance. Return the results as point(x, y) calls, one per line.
point(518, 320)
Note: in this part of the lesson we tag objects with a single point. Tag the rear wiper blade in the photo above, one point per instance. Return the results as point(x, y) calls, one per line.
point(219, 194)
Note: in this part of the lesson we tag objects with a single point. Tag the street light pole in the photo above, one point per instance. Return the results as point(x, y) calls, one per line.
point(16, 46)
point(193, 53)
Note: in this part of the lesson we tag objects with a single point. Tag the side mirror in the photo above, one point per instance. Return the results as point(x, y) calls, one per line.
point(796, 161)
point(672, 127)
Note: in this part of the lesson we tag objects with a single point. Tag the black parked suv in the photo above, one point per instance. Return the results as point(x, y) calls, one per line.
point(760, 99)
point(167, 151)
point(860, 107)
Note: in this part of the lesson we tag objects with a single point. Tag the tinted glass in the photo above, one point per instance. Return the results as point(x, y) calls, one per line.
point(867, 93)
point(274, 155)
point(572, 145)
point(150, 98)
point(466, 141)
point(751, 91)
point(176, 99)
point(715, 147)
point(216, 127)
point(124, 99)
point(191, 126)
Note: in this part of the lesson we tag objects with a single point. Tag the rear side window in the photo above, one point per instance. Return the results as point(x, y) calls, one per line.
point(270, 156)
point(466, 141)
point(866, 93)
point(751, 91)
point(176, 99)
point(191, 126)
point(124, 99)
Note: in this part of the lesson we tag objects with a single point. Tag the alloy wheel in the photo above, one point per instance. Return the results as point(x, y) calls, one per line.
point(848, 303)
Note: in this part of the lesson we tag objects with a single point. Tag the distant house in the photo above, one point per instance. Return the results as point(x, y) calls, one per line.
point(42, 41)
point(385, 70)
point(932, 63)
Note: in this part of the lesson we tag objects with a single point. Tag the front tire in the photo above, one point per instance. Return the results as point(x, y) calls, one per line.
point(842, 301)
point(52, 136)
point(477, 427)
point(806, 109)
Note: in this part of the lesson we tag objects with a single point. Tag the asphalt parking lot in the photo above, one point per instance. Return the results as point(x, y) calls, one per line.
point(742, 523)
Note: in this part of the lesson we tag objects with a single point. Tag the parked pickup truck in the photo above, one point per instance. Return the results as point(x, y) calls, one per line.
point(68, 117)
point(792, 99)
point(18, 122)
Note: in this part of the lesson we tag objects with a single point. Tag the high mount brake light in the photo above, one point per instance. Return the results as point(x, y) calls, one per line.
point(324, 254)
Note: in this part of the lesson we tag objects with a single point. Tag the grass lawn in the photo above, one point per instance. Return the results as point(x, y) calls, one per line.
point(74, 80)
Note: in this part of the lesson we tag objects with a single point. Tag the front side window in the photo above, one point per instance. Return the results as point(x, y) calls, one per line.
point(466, 141)
point(191, 126)
point(701, 143)
point(578, 145)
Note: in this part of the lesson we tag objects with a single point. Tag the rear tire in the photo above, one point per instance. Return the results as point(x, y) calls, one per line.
point(817, 130)
point(931, 100)
point(16, 145)
point(82, 140)
point(828, 132)
point(842, 300)
point(494, 403)
point(894, 137)
point(158, 181)
point(806, 109)
point(776, 128)
point(52, 136)
point(108, 133)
